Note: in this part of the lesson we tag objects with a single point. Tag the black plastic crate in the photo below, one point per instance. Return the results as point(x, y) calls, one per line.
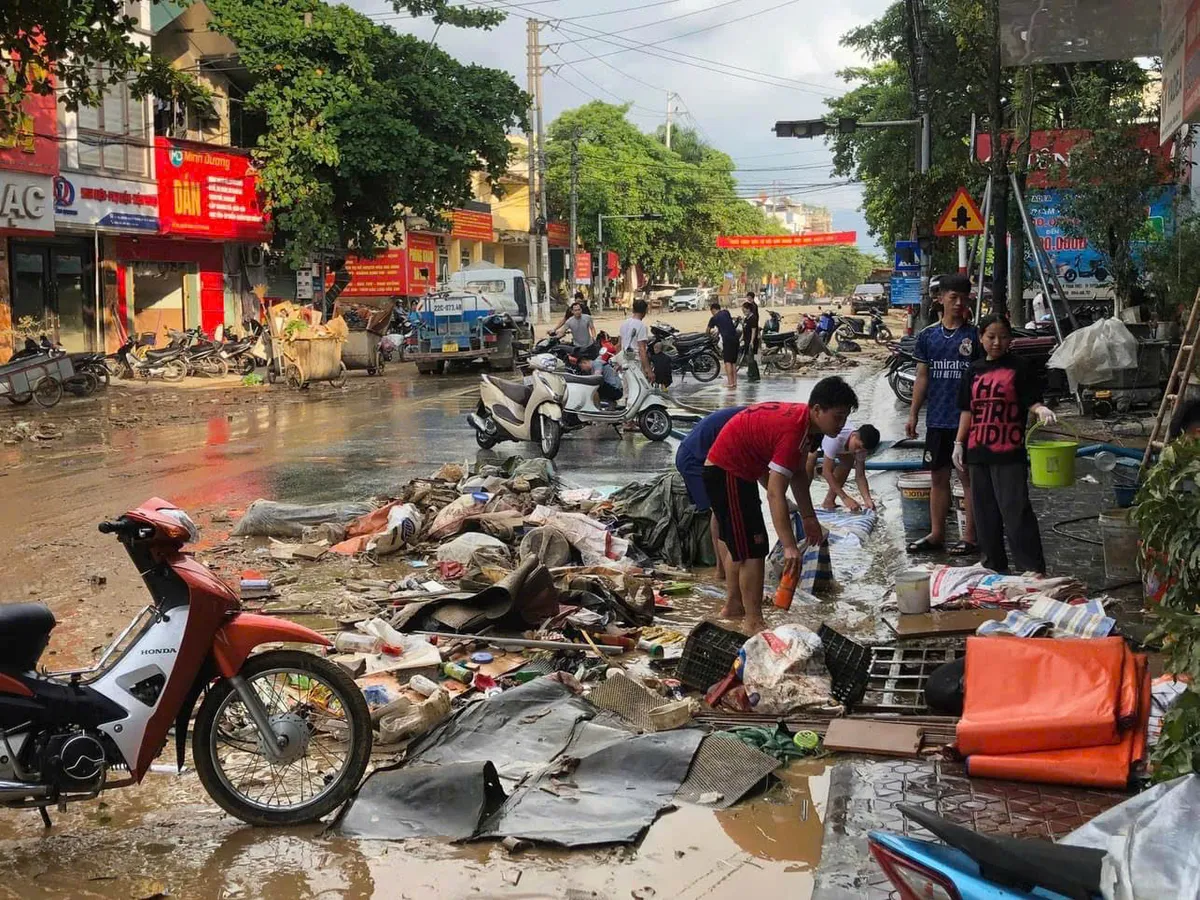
point(708, 655)
point(849, 664)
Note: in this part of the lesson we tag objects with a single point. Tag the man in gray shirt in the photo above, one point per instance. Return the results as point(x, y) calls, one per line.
point(581, 327)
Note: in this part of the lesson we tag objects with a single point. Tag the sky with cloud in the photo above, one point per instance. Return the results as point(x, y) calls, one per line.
point(737, 66)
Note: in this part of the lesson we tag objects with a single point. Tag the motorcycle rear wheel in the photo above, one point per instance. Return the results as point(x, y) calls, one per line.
point(309, 699)
point(883, 335)
point(245, 365)
point(784, 359)
point(174, 370)
point(706, 367)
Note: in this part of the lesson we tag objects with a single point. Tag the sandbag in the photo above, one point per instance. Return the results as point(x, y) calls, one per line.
point(266, 518)
point(474, 549)
point(595, 543)
point(1106, 766)
point(1031, 694)
point(403, 527)
point(785, 667)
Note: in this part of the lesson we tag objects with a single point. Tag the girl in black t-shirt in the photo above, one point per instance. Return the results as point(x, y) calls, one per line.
point(996, 397)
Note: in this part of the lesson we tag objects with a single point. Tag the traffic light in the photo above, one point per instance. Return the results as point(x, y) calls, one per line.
point(804, 128)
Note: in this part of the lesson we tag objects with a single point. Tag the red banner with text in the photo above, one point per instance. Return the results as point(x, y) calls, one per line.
point(395, 272)
point(775, 241)
point(471, 225)
point(207, 192)
point(583, 266)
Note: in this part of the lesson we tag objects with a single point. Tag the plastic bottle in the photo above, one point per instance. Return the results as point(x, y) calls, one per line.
point(457, 672)
point(353, 642)
point(423, 686)
point(786, 590)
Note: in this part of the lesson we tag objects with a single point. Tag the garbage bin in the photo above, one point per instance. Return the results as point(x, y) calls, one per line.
point(361, 351)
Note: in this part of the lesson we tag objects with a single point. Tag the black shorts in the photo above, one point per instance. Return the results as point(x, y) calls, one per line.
point(939, 447)
point(730, 351)
point(738, 509)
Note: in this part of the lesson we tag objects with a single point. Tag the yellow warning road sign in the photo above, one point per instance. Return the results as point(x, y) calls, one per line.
point(961, 218)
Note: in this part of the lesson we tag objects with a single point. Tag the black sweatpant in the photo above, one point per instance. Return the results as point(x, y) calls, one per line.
point(1000, 500)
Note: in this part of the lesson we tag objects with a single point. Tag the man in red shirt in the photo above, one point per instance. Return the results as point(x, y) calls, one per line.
point(768, 444)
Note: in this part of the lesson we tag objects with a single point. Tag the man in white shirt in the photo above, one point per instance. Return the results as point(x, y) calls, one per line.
point(849, 450)
point(634, 336)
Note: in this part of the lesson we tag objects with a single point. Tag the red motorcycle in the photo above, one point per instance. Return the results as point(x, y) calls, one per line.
point(282, 737)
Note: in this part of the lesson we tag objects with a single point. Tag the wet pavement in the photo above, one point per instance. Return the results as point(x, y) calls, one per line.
point(229, 448)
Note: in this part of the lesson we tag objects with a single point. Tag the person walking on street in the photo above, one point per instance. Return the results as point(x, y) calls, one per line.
point(580, 326)
point(996, 397)
point(751, 333)
point(634, 337)
point(689, 460)
point(768, 443)
point(723, 324)
point(944, 353)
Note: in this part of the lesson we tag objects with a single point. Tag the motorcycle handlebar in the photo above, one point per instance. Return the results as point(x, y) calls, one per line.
point(119, 526)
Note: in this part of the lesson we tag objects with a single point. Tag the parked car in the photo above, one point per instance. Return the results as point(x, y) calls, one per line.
point(685, 298)
point(867, 297)
point(706, 295)
point(659, 293)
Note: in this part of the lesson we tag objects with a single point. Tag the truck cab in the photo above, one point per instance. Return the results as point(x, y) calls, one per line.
point(506, 290)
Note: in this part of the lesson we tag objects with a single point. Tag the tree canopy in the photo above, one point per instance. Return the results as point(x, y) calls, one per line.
point(692, 186)
point(361, 124)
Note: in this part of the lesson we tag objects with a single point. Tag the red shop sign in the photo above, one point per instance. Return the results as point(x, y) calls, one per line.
point(471, 224)
point(206, 192)
point(395, 272)
point(558, 234)
point(583, 266)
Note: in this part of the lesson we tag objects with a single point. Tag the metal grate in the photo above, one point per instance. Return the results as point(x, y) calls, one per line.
point(897, 675)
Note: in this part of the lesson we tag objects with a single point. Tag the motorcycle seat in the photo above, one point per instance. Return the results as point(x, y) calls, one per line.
point(168, 353)
point(773, 338)
point(1070, 871)
point(691, 337)
point(514, 390)
point(591, 380)
point(24, 632)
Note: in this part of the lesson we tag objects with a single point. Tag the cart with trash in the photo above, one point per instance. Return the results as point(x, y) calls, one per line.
point(302, 350)
point(39, 378)
point(367, 319)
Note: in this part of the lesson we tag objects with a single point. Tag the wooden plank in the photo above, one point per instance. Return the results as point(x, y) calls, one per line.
point(883, 738)
point(952, 621)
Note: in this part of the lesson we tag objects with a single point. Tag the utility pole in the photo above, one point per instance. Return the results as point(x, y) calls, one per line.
point(531, 40)
point(920, 49)
point(670, 111)
point(572, 273)
point(541, 159)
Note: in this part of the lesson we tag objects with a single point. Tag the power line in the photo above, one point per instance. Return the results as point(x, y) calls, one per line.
point(694, 12)
point(613, 12)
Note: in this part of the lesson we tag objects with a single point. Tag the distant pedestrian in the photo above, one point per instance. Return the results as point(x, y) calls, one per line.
point(996, 397)
point(944, 354)
point(751, 334)
point(581, 327)
point(635, 337)
point(660, 364)
point(722, 323)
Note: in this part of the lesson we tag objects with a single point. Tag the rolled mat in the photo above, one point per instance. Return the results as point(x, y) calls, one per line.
point(1099, 767)
point(1023, 695)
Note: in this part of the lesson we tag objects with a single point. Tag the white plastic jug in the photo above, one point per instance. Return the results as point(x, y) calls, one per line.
point(912, 591)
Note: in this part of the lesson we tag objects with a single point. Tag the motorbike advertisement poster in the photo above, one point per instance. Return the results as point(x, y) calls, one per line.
point(1082, 269)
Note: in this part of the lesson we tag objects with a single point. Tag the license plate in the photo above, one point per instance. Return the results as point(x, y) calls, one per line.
point(450, 347)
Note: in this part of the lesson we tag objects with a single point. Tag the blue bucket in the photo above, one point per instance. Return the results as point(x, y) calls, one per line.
point(914, 502)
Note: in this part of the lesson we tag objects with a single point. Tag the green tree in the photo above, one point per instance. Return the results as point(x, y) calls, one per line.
point(840, 268)
point(75, 48)
point(362, 124)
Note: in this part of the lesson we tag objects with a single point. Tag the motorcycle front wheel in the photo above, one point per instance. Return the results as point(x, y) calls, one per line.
point(174, 370)
point(883, 335)
point(317, 709)
point(655, 423)
point(706, 367)
point(550, 436)
point(784, 359)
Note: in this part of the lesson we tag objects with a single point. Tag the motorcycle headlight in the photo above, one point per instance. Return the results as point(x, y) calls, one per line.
point(184, 521)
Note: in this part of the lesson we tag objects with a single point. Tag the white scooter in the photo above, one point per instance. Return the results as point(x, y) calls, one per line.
point(531, 410)
point(639, 403)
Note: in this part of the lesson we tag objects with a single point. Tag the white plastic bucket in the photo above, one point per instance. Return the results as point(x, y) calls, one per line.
point(914, 502)
point(912, 591)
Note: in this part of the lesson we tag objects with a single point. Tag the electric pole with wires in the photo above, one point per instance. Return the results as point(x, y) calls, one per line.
point(572, 276)
point(544, 219)
point(532, 63)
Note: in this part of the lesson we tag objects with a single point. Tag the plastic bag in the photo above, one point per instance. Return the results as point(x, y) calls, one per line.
point(785, 667)
point(595, 543)
point(398, 722)
point(403, 526)
point(1096, 353)
point(449, 519)
point(266, 518)
point(474, 549)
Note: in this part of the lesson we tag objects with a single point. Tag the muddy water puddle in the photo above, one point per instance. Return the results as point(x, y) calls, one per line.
point(157, 838)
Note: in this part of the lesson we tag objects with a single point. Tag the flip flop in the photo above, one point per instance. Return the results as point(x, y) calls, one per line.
point(964, 548)
point(924, 545)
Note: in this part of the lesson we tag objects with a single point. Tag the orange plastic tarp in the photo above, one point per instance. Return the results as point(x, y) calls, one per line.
point(360, 531)
point(1099, 767)
point(1029, 694)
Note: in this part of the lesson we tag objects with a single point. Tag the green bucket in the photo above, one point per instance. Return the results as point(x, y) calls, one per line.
point(1052, 462)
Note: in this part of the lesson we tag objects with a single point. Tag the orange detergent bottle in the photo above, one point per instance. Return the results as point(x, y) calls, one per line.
point(786, 590)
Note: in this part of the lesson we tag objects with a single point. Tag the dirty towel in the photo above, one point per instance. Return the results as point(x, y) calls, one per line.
point(448, 801)
point(266, 518)
point(816, 570)
point(975, 586)
point(1082, 620)
point(666, 525)
point(844, 527)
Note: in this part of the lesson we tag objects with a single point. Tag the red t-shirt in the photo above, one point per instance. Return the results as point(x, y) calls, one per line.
point(765, 437)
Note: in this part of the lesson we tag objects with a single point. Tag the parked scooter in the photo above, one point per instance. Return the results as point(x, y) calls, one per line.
point(780, 350)
point(202, 356)
point(529, 410)
point(972, 866)
point(879, 332)
point(640, 402)
point(690, 352)
point(167, 364)
point(901, 371)
point(282, 737)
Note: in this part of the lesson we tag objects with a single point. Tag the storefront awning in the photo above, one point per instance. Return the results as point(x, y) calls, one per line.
point(1053, 31)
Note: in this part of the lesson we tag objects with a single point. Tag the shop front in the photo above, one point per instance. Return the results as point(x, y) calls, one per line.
point(166, 285)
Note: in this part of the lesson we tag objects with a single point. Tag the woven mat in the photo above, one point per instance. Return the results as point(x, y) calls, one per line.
point(724, 765)
point(628, 699)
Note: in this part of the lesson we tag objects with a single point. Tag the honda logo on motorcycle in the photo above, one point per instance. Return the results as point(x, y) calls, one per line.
point(158, 650)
